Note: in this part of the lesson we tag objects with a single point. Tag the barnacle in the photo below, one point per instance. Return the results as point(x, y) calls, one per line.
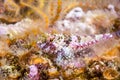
point(11, 71)
point(110, 74)
point(103, 68)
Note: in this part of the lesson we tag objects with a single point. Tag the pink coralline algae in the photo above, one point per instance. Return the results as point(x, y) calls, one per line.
point(33, 74)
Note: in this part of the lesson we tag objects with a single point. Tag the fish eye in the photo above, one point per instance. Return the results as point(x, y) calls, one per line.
point(76, 11)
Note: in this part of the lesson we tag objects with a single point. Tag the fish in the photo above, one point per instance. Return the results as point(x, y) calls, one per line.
point(104, 44)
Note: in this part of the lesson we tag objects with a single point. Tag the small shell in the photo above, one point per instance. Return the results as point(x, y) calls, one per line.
point(110, 73)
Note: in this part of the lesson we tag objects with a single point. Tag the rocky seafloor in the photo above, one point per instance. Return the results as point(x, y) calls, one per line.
point(82, 45)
